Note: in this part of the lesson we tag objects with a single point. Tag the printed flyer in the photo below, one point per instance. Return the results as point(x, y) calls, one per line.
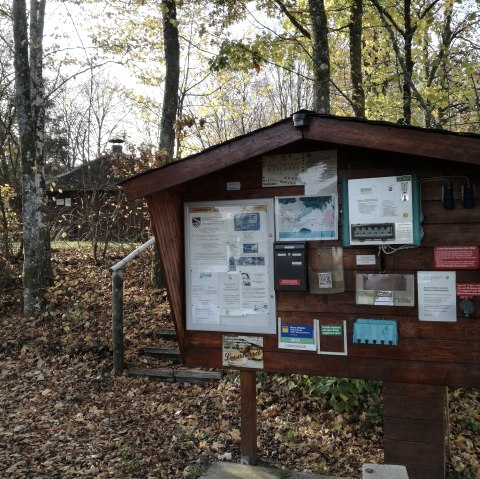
point(437, 300)
point(243, 351)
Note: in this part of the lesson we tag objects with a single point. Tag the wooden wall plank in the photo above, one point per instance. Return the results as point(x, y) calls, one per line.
point(404, 429)
point(407, 389)
point(416, 471)
point(419, 453)
point(435, 373)
point(450, 337)
point(413, 407)
point(413, 454)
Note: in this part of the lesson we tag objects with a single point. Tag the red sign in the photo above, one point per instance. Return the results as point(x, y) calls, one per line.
point(289, 282)
point(456, 257)
point(467, 290)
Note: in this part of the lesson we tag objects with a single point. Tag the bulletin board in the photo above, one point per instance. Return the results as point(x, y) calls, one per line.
point(229, 270)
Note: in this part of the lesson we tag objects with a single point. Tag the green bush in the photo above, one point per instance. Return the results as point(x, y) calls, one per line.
point(344, 395)
point(467, 473)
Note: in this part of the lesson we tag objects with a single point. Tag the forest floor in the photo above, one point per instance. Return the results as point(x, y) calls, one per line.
point(63, 415)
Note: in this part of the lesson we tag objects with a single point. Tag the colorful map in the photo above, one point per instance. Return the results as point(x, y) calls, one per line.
point(306, 218)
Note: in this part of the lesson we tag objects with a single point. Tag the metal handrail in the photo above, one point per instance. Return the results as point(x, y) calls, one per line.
point(117, 307)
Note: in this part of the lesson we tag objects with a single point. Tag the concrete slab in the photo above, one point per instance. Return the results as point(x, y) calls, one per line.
point(384, 471)
point(229, 470)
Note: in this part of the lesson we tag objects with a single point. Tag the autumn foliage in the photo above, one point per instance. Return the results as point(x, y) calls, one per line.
point(64, 416)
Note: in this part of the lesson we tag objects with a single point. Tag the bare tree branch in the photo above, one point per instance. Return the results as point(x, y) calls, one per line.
point(292, 19)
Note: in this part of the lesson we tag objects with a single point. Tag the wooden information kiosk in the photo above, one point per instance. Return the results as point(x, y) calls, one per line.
point(329, 246)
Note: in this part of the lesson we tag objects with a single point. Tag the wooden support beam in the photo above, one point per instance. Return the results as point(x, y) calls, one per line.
point(117, 322)
point(414, 428)
point(248, 407)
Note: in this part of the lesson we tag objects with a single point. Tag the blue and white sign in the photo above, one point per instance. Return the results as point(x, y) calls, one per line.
point(294, 336)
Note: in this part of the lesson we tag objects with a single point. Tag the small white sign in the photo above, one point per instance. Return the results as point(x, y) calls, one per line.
point(437, 299)
point(234, 186)
point(366, 259)
point(384, 298)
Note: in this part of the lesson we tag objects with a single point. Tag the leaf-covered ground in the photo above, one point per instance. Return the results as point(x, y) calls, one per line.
point(62, 414)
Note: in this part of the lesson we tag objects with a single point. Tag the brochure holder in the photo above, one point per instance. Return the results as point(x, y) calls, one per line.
point(385, 289)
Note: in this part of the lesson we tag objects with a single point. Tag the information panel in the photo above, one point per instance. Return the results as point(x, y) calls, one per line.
point(229, 276)
point(437, 296)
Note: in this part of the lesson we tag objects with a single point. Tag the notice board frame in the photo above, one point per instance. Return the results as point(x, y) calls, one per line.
point(228, 212)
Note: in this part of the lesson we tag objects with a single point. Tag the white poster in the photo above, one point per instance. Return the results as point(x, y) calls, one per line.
point(437, 299)
point(321, 173)
point(204, 295)
point(230, 294)
point(208, 239)
point(229, 251)
point(255, 296)
point(317, 170)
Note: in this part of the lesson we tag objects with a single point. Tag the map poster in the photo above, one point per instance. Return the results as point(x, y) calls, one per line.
point(306, 218)
point(243, 351)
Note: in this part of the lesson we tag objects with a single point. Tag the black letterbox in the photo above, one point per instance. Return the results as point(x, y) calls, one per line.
point(290, 266)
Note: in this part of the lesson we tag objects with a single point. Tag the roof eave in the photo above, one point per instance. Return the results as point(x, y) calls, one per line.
point(438, 144)
point(213, 159)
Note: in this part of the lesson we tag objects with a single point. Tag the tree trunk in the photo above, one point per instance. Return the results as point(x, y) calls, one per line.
point(170, 101)
point(172, 77)
point(157, 279)
point(356, 25)
point(31, 125)
point(320, 56)
point(408, 73)
point(443, 57)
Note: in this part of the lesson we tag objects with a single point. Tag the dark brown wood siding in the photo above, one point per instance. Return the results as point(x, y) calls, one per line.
point(414, 428)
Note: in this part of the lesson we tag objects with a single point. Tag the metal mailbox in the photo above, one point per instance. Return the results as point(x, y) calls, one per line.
point(290, 267)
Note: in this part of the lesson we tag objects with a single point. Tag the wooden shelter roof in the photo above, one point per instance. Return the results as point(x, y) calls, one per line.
point(99, 174)
point(327, 129)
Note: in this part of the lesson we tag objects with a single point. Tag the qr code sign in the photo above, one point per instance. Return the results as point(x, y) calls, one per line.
point(325, 280)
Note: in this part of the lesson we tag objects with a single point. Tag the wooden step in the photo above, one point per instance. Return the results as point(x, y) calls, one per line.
point(196, 376)
point(166, 333)
point(193, 376)
point(172, 354)
point(153, 373)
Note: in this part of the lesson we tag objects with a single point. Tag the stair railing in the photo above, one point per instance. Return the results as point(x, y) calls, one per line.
point(117, 308)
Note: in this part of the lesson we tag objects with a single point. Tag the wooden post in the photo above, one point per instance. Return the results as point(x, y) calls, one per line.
point(248, 425)
point(117, 322)
point(414, 428)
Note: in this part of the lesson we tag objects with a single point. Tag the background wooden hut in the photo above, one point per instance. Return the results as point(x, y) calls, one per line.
point(87, 203)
